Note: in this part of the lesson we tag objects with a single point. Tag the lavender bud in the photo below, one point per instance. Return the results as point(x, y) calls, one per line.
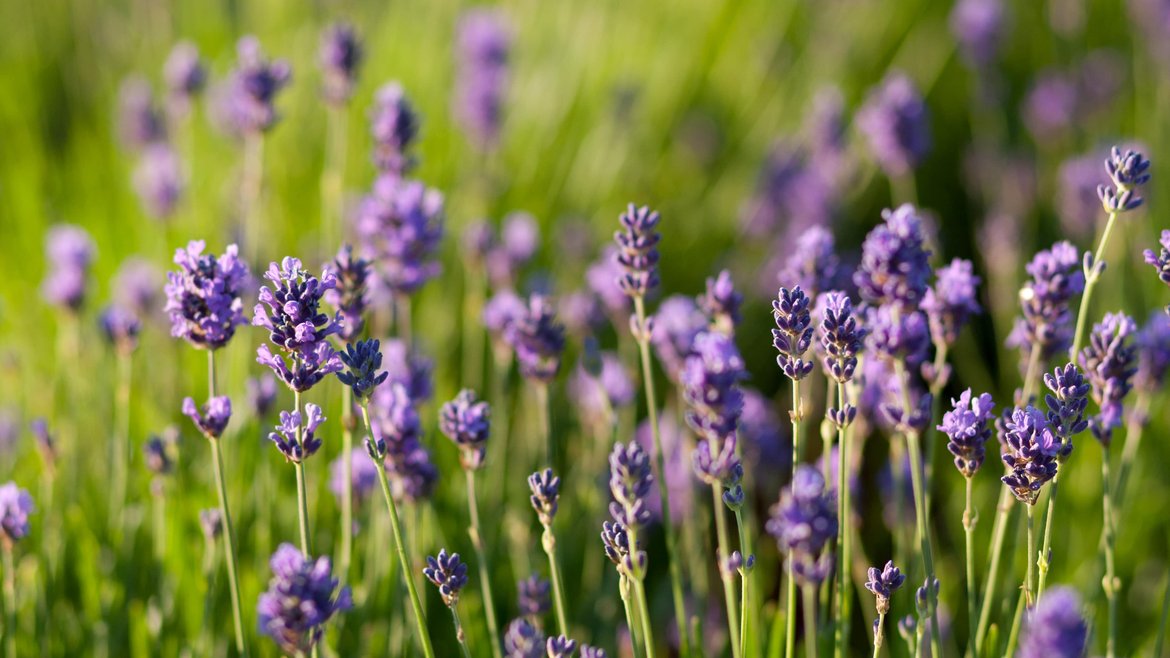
point(1110, 359)
point(362, 362)
point(978, 27)
point(546, 490)
point(70, 253)
point(628, 559)
point(592, 652)
point(803, 523)
point(139, 121)
point(538, 340)
point(349, 296)
point(296, 324)
point(484, 41)
point(285, 436)
point(299, 600)
point(1046, 320)
point(523, 640)
point(185, 76)
point(534, 597)
point(158, 180)
point(952, 301)
point(211, 521)
point(840, 336)
point(638, 250)
point(966, 427)
point(1128, 170)
point(448, 573)
point(1066, 405)
point(676, 325)
point(120, 328)
point(248, 100)
point(154, 452)
point(15, 507)
point(212, 418)
point(630, 481)
point(896, 122)
point(394, 126)
point(794, 332)
point(261, 394)
point(883, 583)
point(1030, 449)
point(561, 647)
point(340, 56)
point(203, 296)
point(895, 263)
point(721, 303)
point(466, 420)
point(1153, 343)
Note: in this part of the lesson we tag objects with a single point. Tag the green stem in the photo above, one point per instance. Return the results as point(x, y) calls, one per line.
point(640, 594)
point(9, 598)
point(878, 631)
point(1111, 583)
point(160, 524)
point(121, 437)
point(668, 529)
point(346, 557)
point(795, 415)
point(810, 621)
point(548, 540)
point(940, 362)
point(459, 635)
point(1133, 439)
point(485, 580)
point(969, 518)
point(1030, 564)
point(844, 582)
point(746, 629)
point(724, 573)
point(542, 412)
point(1161, 637)
point(1014, 634)
point(400, 548)
point(302, 494)
point(1042, 561)
point(631, 622)
point(229, 533)
point(1091, 278)
point(333, 174)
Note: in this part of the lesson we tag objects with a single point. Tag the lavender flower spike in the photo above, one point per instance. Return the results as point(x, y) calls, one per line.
point(349, 296)
point(299, 600)
point(523, 640)
point(952, 301)
point(1066, 405)
point(296, 325)
point(158, 180)
point(538, 340)
point(184, 75)
point(212, 418)
point(896, 122)
point(711, 389)
point(1128, 171)
point(630, 481)
point(1161, 261)
point(1056, 628)
point(203, 296)
point(1030, 449)
point(638, 250)
point(362, 361)
point(840, 336)
point(340, 56)
point(794, 332)
point(803, 523)
point(1110, 359)
point(561, 647)
point(394, 126)
point(721, 303)
point(883, 583)
point(249, 98)
point(534, 597)
point(448, 573)
point(285, 436)
point(546, 491)
point(70, 253)
point(15, 506)
point(484, 43)
point(966, 427)
point(1046, 321)
point(895, 263)
point(466, 420)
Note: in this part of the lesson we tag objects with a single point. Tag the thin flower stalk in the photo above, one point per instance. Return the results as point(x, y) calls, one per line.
point(796, 414)
point(810, 621)
point(459, 634)
point(229, 533)
point(121, 436)
point(302, 493)
point(728, 578)
point(485, 581)
point(1111, 583)
point(9, 599)
point(345, 559)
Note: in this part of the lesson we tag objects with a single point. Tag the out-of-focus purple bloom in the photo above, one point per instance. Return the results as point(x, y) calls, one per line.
point(1152, 17)
point(408, 367)
point(597, 395)
point(978, 27)
point(1153, 345)
point(448, 573)
point(675, 326)
point(139, 121)
point(349, 296)
point(546, 491)
point(825, 130)
point(630, 481)
point(789, 193)
point(158, 180)
point(721, 303)
point(897, 124)
point(1161, 260)
point(897, 336)
point(154, 453)
point(1067, 400)
point(638, 250)
point(966, 427)
point(840, 336)
point(812, 264)
point(793, 334)
point(294, 425)
point(203, 296)
point(400, 225)
point(883, 583)
point(891, 412)
point(895, 263)
point(1128, 170)
point(678, 469)
point(1030, 450)
point(136, 286)
point(593, 652)
point(296, 324)
point(247, 100)
point(765, 442)
point(538, 340)
point(519, 240)
point(581, 312)
point(533, 597)
point(1110, 362)
point(261, 394)
point(484, 42)
point(711, 389)
point(1055, 628)
point(394, 125)
point(1046, 320)
point(185, 76)
point(364, 471)
point(398, 441)
point(70, 252)
point(45, 444)
point(212, 418)
point(560, 647)
point(211, 522)
point(466, 420)
point(500, 312)
point(300, 599)
point(803, 523)
point(120, 328)
point(1076, 202)
point(1051, 106)
point(477, 240)
point(523, 640)
point(952, 301)
point(630, 560)
point(340, 56)
point(363, 363)
point(15, 507)
point(9, 430)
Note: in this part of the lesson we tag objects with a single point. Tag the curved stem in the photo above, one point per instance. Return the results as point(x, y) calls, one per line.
point(725, 573)
point(400, 548)
point(668, 529)
point(302, 494)
point(1111, 583)
point(810, 621)
point(1043, 560)
point(746, 629)
point(1091, 278)
point(229, 533)
point(548, 540)
point(969, 519)
point(346, 557)
point(459, 635)
point(485, 580)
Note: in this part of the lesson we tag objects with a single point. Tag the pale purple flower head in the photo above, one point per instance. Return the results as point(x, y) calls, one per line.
point(812, 264)
point(721, 303)
point(261, 394)
point(301, 597)
point(70, 253)
point(883, 583)
point(292, 423)
point(897, 124)
point(1046, 319)
point(397, 441)
point(560, 647)
point(408, 367)
point(1055, 628)
point(533, 597)
point(538, 339)
point(212, 418)
point(629, 559)
point(1051, 105)
point(1030, 450)
point(593, 652)
point(952, 301)
point(1128, 170)
point(638, 250)
point(1110, 362)
point(1161, 261)
point(400, 225)
point(448, 573)
point(484, 43)
point(136, 286)
point(897, 336)
point(803, 523)
point(158, 180)
point(678, 471)
point(710, 383)
point(139, 121)
point(120, 327)
point(248, 99)
point(349, 297)
point(466, 420)
point(675, 326)
point(546, 492)
point(523, 640)
point(895, 263)
point(790, 193)
point(978, 26)
point(630, 481)
point(610, 388)
point(501, 311)
point(966, 427)
point(155, 454)
point(840, 336)
point(15, 507)
point(203, 295)
point(394, 125)
point(364, 471)
point(1153, 344)
point(291, 312)
point(1077, 204)
point(340, 56)
point(793, 334)
point(185, 75)
point(519, 240)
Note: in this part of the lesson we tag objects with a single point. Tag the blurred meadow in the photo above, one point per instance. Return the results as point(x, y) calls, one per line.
point(705, 110)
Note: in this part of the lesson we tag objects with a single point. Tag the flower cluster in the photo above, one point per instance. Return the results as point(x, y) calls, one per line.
point(966, 427)
point(1046, 321)
point(70, 252)
point(522, 639)
point(1067, 399)
point(1110, 360)
point(1055, 628)
point(203, 296)
point(296, 435)
point(534, 597)
point(349, 296)
point(630, 481)
point(340, 56)
point(296, 325)
point(1161, 260)
point(484, 42)
point(185, 75)
point(1153, 345)
point(397, 441)
point(400, 224)
point(139, 121)
point(711, 389)
point(247, 103)
point(803, 523)
point(300, 599)
point(15, 506)
point(362, 361)
point(952, 301)
point(538, 339)
point(1030, 450)
point(466, 420)
point(546, 491)
point(638, 250)
point(673, 331)
point(158, 180)
point(896, 122)
point(154, 453)
point(793, 333)
point(895, 335)
point(394, 125)
point(840, 336)
point(448, 573)
point(812, 265)
point(212, 418)
point(895, 263)
point(120, 327)
point(1128, 171)
point(629, 560)
point(721, 303)
point(883, 583)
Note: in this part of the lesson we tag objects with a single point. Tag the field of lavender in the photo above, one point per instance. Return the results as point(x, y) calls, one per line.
point(748, 329)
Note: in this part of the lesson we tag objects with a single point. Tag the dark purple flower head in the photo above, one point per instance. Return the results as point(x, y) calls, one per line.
point(966, 427)
point(466, 420)
point(400, 225)
point(717, 463)
point(158, 180)
point(185, 76)
point(630, 481)
point(546, 491)
point(398, 441)
point(1153, 344)
point(252, 88)
point(883, 583)
point(293, 315)
point(1128, 170)
point(711, 386)
point(1030, 450)
point(1046, 320)
point(534, 597)
point(1067, 399)
point(203, 296)
point(394, 125)
point(630, 560)
point(484, 42)
point(793, 333)
point(211, 522)
point(136, 286)
point(261, 394)
point(593, 652)
point(1110, 362)
point(894, 335)
point(1161, 260)
point(895, 263)
point(840, 336)
point(523, 640)
point(340, 56)
point(897, 123)
point(349, 296)
point(538, 339)
point(978, 27)
point(15, 507)
point(447, 572)
point(812, 264)
point(952, 301)
point(1055, 628)
point(139, 121)
point(638, 250)
point(363, 471)
point(675, 326)
point(363, 361)
point(296, 435)
point(803, 523)
point(70, 253)
point(561, 647)
point(300, 599)
point(212, 418)
point(120, 328)
point(721, 303)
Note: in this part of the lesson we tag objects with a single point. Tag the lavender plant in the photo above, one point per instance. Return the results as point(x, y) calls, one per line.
point(449, 574)
point(883, 583)
point(545, 489)
point(302, 596)
point(630, 479)
point(15, 507)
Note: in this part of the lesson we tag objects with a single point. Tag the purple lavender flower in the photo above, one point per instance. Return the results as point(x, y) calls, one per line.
point(546, 491)
point(711, 389)
point(966, 427)
point(251, 90)
point(299, 600)
point(340, 56)
point(790, 193)
point(1077, 203)
point(408, 367)
point(349, 296)
point(212, 418)
point(638, 250)
point(285, 436)
point(812, 264)
point(365, 475)
point(1128, 170)
point(500, 312)
point(765, 442)
point(203, 296)
point(15, 507)
point(448, 573)
point(538, 340)
point(1055, 628)
point(139, 121)
point(363, 361)
point(596, 395)
point(534, 597)
point(70, 253)
point(523, 640)
point(261, 394)
point(296, 324)
point(895, 263)
point(897, 336)
point(519, 240)
point(952, 301)
point(477, 240)
point(211, 522)
point(466, 420)
point(135, 286)
point(794, 332)
point(1051, 106)
point(803, 523)
point(630, 481)
point(883, 583)
point(675, 326)
point(45, 444)
point(185, 76)
point(978, 27)
point(629, 559)
point(120, 328)
point(840, 336)
point(394, 125)
point(592, 652)
point(1153, 345)
point(897, 123)
point(678, 467)
point(156, 454)
point(398, 441)
point(721, 303)
point(158, 180)
point(1030, 449)
point(582, 313)
point(561, 647)
point(484, 42)
point(400, 224)
point(1110, 361)
point(1161, 260)
point(1068, 397)
point(1046, 321)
